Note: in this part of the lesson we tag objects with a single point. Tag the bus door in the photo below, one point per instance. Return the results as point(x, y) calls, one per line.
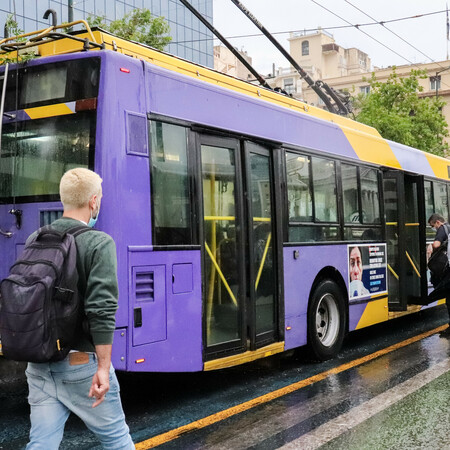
point(405, 235)
point(239, 270)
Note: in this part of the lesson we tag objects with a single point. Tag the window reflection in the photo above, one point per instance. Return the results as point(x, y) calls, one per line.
point(324, 179)
point(170, 185)
point(298, 187)
point(350, 193)
point(369, 195)
point(34, 159)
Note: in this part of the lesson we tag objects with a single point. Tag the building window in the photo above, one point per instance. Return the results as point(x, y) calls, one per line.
point(435, 82)
point(288, 85)
point(364, 89)
point(305, 48)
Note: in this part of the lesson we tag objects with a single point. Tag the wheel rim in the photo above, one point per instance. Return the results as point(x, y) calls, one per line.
point(327, 320)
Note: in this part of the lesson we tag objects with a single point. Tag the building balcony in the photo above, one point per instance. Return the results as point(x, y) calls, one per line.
point(330, 48)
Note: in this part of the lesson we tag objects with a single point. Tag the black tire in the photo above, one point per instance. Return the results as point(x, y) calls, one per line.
point(327, 320)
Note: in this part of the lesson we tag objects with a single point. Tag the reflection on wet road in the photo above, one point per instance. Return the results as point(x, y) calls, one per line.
point(376, 394)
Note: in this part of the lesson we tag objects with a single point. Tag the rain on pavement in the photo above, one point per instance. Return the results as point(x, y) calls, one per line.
point(360, 400)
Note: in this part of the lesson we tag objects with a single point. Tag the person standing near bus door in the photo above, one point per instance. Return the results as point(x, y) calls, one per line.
point(440, 226)
point(84, 382)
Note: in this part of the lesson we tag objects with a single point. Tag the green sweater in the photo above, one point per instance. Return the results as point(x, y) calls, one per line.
point(97, 284)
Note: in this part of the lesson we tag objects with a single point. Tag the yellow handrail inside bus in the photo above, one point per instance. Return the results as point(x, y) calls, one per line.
point(393, 271)
point(263, 259)
point(213, 259)
point(231, 218)
point(413, 265)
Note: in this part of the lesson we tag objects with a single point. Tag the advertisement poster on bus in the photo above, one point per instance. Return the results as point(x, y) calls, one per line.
point(367, 270)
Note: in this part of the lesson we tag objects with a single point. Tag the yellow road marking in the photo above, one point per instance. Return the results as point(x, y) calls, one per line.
point(225, 414)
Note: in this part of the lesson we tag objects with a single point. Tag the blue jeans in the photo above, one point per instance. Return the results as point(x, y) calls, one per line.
point(56, 389)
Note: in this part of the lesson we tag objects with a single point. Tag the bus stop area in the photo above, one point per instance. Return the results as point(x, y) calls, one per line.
point(388, 388)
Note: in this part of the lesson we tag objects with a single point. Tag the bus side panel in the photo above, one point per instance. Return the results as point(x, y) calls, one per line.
point(125, 211)
point(166, 311)
point(301, 267)
point(181, 97)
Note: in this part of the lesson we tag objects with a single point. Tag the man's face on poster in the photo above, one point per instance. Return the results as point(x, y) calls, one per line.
point(355, 264)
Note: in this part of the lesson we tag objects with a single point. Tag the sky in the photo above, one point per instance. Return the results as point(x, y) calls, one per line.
point(427, 34)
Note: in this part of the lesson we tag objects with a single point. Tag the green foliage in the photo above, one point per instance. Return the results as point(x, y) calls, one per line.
point(22, 56)
point(395, 109)
point(138, 25)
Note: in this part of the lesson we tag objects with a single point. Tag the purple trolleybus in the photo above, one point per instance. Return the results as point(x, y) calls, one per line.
point(247, 223)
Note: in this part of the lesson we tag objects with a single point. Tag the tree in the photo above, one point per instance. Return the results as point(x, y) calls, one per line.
point(13, 30)
point(138, 25)
point(397, 111)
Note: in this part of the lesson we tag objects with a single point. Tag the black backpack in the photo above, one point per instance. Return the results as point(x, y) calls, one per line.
point(438, 264)
point(40, 308)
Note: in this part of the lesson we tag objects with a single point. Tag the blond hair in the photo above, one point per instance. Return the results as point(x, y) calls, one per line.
point(77, 186)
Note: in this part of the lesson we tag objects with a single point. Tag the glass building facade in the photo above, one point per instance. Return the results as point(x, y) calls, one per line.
point(190, 38)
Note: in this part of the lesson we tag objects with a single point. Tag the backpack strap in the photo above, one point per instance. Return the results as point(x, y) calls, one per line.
point(79, 229)
point(447, 229)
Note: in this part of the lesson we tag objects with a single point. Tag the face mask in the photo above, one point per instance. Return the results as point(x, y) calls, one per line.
point(93, 221)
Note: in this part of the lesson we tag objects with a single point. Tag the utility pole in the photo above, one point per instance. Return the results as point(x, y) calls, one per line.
point(70, 11)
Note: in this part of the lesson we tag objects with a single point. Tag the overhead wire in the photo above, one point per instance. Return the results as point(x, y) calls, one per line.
point(368, 35)
point(397, 35)
point(308, 30)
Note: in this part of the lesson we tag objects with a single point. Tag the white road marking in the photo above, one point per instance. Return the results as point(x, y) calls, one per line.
point(345, 422)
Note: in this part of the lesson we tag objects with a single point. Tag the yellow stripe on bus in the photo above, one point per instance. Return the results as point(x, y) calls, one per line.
point(440, 170)
point(61, 109)
point(375, 311)
point(378, 152)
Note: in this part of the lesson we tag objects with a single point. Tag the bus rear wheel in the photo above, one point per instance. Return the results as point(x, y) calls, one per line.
point(326, 320)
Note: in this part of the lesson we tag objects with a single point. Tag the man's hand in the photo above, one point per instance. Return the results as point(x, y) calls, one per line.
point(429, 251)
point(100, 381)
point(100, 386)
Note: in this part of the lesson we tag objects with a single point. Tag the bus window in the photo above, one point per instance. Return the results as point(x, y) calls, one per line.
point(429, 208)
point(429, 203)
point(440, 199)
point(350, 193)
point(222, 245)
point(362, 233)
point(170, 185)
point(324, 181)
point(36, 155)
point(313, 233)
point(52, 83)
point(370, 198)
point(299, 188)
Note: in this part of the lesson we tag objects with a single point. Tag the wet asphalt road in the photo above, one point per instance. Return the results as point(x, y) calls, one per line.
point(378, 404)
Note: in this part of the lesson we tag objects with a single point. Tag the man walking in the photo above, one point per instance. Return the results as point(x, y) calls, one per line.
point(84, 382)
